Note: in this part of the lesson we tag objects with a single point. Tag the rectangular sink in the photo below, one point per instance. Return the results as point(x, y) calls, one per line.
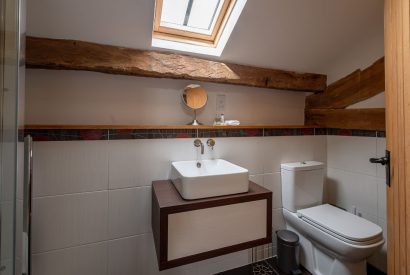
point(214, 178)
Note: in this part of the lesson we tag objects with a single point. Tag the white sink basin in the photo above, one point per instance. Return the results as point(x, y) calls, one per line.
point(214, 178)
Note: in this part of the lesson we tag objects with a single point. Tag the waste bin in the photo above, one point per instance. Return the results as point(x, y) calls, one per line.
point(288, 251)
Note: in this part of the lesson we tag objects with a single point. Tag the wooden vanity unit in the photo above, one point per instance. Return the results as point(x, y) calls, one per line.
point(187, 231)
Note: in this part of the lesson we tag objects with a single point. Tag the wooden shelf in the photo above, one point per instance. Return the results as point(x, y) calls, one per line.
point(68, 127)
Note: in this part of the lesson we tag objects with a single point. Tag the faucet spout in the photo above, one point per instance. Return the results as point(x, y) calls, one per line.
point(198, 143)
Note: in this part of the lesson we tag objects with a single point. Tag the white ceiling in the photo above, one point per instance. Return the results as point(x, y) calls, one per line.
point(300, 35)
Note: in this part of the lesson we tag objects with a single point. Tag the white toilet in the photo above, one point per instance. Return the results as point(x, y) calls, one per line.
point(333, 241)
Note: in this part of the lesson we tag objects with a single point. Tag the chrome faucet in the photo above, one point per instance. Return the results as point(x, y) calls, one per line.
point(198, 143)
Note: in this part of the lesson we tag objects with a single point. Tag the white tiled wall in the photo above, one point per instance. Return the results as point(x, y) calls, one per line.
point(86, 259)
point(92, 199)
point(69, 220)
point(72, 168)
point(352, 181)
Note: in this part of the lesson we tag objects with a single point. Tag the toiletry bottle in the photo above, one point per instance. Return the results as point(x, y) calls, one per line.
point(217, 120)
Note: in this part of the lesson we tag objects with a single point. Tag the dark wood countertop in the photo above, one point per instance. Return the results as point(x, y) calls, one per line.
point(170, 200)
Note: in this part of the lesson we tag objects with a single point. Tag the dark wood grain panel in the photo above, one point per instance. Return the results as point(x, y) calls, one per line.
point(166, 200)
point(170, 200)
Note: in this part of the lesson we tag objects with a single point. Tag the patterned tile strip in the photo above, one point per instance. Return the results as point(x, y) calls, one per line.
point(351, 132)
point(151, 133)
point(64, 134)
point(215, 133)
point(320, 131)
point(381, 134)
point(289, 132)
point(338, 132)
point(118, 134)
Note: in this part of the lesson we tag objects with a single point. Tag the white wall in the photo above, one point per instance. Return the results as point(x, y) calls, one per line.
point(359, 57)
point(354, 182)
point(352, 179)
point(69, 97)
point(107, 99)
point(92, 199)
point(377, 101)
point(92, 204)
point(316, 32)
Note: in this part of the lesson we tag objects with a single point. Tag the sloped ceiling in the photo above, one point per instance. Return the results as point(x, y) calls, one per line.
point(300, 35)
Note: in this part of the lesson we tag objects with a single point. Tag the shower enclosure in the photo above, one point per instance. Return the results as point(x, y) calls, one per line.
point(13, 242)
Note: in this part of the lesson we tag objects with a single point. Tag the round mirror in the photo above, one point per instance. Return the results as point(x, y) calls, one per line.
point(194, 97)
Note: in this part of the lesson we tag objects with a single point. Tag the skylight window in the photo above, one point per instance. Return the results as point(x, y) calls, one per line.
point(197, 16)
point(200, 26)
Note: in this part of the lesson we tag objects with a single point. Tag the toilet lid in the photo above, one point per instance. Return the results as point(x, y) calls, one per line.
point(341, 223)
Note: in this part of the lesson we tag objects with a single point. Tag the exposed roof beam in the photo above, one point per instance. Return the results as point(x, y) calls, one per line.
point(58, 54)
point(356, 87)
point(365, 119)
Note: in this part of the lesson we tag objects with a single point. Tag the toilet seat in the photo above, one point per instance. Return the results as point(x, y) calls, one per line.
point(341, 224)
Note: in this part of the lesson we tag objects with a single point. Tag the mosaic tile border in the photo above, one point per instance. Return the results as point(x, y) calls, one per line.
point(236, 132)
point(119, 134)
point(116, 134)
point(351, 132)
point(66, 134)
point(274, 132)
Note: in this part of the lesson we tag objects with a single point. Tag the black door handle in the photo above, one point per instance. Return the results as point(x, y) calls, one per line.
point(384, 161)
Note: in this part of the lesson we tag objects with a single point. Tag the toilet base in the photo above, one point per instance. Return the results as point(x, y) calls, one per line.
point(320, 261)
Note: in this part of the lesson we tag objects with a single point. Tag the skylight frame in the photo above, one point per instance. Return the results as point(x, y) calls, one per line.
point(178, 35)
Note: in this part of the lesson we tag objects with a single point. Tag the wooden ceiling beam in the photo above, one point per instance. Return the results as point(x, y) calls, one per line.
point(358, 86)
point(364, 119)
point(58, 54)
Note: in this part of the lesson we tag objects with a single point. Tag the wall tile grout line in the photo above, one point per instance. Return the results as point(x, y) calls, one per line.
point(75, 193)
point(89, 192)
point(353, 172)
point(107, 240)
point(108, 205)
point(70, 247)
